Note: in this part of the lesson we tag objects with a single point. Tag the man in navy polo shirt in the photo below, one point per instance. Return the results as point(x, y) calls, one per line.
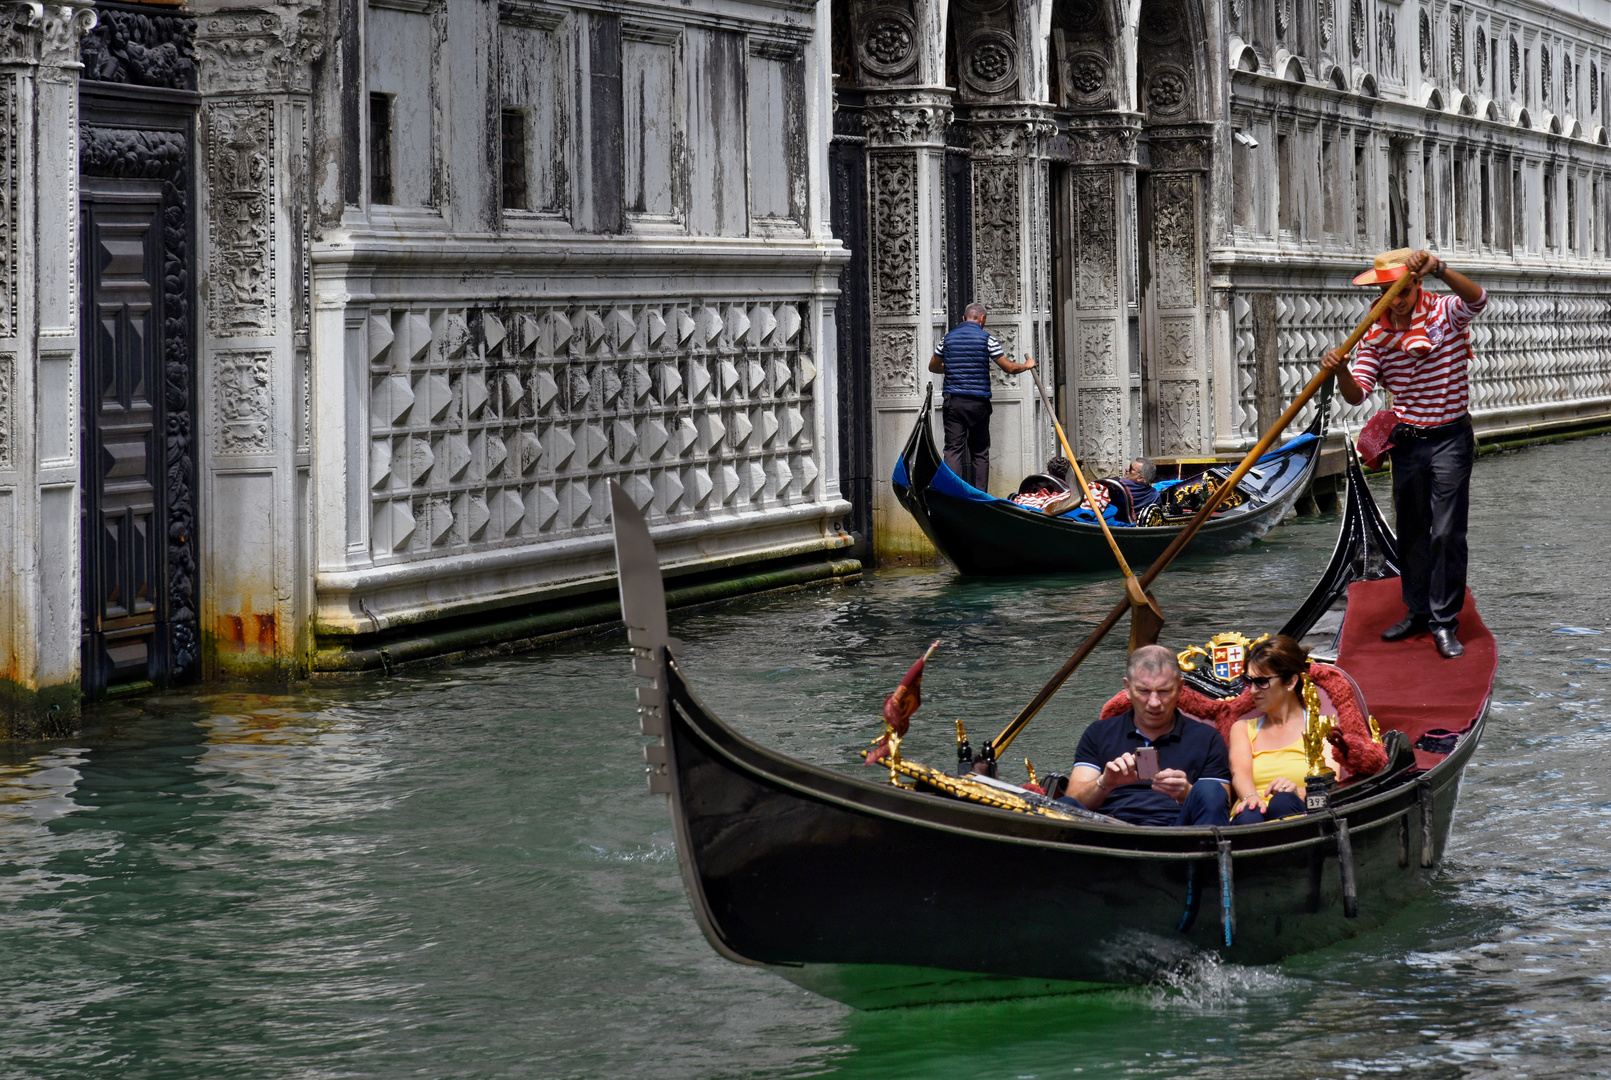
point(1193, 785)
point(964, 356)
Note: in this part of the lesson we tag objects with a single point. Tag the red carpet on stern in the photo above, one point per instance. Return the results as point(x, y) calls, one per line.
point(1407, 685)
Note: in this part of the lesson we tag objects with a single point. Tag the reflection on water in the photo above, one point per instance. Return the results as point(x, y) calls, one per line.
point(458, 873)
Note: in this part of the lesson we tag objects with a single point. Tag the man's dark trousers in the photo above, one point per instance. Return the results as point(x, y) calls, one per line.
point(1432, 498)
point(967, 438)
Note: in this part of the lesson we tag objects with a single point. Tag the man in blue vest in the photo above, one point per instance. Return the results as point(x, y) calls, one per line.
point(964, 357)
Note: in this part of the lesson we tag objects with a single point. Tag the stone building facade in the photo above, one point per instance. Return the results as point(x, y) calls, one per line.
point(324, 325)
point(1168, 199)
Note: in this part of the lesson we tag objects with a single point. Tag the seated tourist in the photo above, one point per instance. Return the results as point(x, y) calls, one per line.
point(1040, 489)
point(1138, 480)
point(1268, 763)
point(1128, 495)
point(1192, 781)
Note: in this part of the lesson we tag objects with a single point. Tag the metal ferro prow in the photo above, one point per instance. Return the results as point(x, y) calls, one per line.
point(643, 609)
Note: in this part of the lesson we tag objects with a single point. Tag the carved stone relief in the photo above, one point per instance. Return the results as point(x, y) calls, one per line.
point(1088, 79)
point(894, 233)
point(1387, 39)
point(9, 251)
point(140, 50)
point(1008, 338)
point(1098, 272)
point(1099, 426)
point(1515, 65)
point(1179, 417)
point(996, 233)
point(8, 427)
point(888, 43)
point(1481, 57)
point(1594, 88)
point(1175, 240)
point(243, 409)
point(906, 118)
point(240, 181)
point(1096, 352)
point(1168, 91)
point(1544, 74)
point(1176, 353)
point(1328, 20)
point(1457, 49)
point(1162, 24)
point(1356, 28)
point(1283, 16)
point(893, 363)
point(260, 51)
point(991, 67)
point(500, 426)
point(1426, 41)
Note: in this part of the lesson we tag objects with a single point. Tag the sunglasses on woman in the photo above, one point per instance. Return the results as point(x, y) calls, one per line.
point(1259, 682)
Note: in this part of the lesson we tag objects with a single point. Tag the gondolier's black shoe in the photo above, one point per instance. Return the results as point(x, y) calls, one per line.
point(1449, 646)
point(1409, 624)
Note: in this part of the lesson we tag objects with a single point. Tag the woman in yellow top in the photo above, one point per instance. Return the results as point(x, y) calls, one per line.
point(1268, 764)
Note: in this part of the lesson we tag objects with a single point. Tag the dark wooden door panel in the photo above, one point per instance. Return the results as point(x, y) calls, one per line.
point(125, 607)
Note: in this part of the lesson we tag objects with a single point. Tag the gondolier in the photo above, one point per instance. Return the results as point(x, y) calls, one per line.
point(1420, 349)
point(964, 357)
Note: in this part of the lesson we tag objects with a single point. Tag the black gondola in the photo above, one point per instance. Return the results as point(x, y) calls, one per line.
point(981, 534)
point(878, 895)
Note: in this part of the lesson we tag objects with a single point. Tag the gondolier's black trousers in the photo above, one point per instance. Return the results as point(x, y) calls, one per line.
point(1432, 498)
point(967, 438)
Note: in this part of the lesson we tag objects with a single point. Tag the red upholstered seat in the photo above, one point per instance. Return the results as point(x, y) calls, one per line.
point(1406, 683)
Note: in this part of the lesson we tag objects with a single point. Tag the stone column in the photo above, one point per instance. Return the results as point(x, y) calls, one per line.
point(254, 72)
point(1101, 217)
point(1011, 267)
point(905, 170)
point(40, 604)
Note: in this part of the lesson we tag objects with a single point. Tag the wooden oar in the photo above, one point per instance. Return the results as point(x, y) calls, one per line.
point(996, 746)
point(1145, 618)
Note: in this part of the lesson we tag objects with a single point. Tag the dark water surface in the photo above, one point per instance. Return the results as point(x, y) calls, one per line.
point(459, 872)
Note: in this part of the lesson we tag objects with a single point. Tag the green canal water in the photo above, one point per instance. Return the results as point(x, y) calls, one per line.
point(459, 872)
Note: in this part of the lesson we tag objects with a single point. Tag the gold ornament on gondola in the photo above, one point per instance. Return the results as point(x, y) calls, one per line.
point(1315, 730)
point(1226, 654)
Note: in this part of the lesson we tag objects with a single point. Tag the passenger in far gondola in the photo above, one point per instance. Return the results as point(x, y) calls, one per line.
point(1268, 762)
point(1040, 489)
point(1138, 480)
point(1152, 764)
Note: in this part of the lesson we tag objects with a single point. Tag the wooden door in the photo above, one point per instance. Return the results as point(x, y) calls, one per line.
point(123, 455)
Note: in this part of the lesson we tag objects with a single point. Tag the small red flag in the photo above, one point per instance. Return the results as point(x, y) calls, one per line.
point(900, 705)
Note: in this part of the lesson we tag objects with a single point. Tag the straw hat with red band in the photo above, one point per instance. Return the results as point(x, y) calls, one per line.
point(1390, 266)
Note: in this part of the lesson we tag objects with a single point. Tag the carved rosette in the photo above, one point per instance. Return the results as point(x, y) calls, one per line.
point(887, 43)
point(907, 118)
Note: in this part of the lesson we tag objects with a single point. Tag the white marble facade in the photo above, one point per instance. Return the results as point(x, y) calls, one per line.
point(458, 265)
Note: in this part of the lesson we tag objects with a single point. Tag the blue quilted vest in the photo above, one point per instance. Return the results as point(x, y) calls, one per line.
point(967, 361)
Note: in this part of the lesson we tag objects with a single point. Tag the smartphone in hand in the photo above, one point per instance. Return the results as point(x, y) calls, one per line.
point(1147, 762)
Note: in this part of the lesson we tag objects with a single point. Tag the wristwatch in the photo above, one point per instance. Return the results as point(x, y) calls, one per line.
point(1442, 266)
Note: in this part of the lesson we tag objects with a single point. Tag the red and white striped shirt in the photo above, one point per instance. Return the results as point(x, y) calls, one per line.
point(1429, 383)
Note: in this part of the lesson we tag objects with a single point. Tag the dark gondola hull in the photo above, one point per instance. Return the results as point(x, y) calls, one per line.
point(998, 537)
point(879, 895)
